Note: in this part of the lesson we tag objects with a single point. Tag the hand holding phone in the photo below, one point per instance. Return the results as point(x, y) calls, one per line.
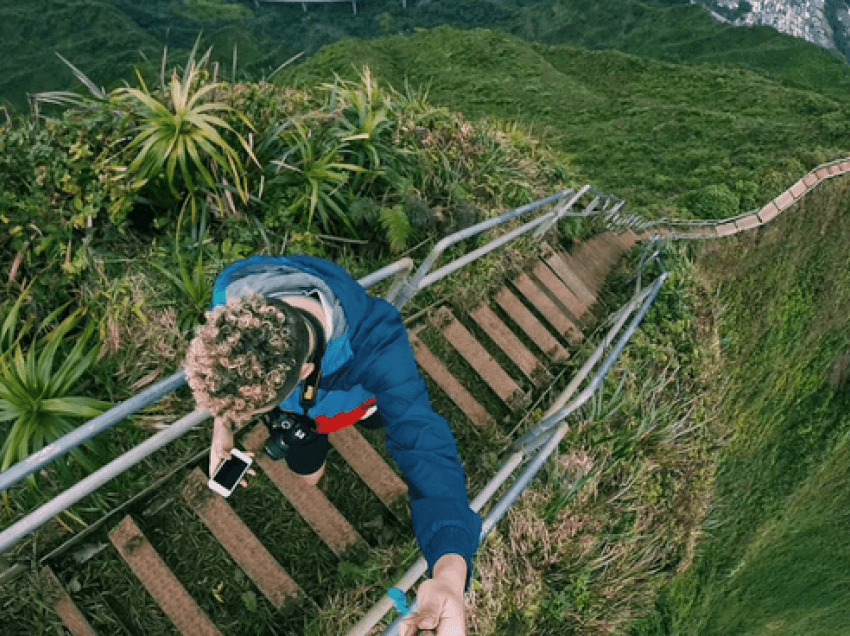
point(230, 472)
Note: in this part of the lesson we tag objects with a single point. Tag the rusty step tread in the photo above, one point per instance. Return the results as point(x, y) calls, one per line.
point(508, 342)
point(480, 360)
point(366, 462)
point(159, 580)
point(242, 545)
point(573, 282)
point(64, 606)
point(549, 281)
point(554, 316)
point(458, 393)
point(319, 513)
point(529, 323)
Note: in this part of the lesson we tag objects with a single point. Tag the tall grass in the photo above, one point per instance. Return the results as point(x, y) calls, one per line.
point(775, 558)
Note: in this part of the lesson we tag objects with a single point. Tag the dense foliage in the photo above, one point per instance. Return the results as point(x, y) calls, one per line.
point(335, 158)
point(106, 39)
point(673, 140)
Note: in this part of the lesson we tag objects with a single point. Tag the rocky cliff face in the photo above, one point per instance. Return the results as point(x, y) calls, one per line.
point(823, 22)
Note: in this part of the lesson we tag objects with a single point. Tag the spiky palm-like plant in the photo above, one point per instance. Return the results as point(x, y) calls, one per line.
point(37, 392)
point(184, 135)
point(315, 175)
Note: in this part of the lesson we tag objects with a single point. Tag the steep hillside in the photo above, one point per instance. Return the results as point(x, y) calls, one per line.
point(95, 36)
point(775, 556)
point(672, 139)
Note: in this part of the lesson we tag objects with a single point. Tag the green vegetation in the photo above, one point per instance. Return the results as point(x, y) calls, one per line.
point(38, 404)
point(684, 34)
point(673, 140)
point(186, 133)
point(210, 10)
point(706, 483)
point(107, 38)
point(775, 557)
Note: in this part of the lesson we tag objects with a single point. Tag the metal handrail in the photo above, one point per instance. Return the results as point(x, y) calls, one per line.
point(422, 278)
point(14, 533)
point(117, 414)
point(400, 292)
point(557, 420)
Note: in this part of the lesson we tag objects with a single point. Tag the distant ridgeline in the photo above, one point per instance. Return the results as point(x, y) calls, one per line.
point(106, 43)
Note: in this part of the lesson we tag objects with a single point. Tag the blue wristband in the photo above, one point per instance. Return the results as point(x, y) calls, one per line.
point(399, 599)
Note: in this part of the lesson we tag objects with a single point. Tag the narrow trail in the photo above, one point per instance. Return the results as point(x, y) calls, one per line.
point(675, 229)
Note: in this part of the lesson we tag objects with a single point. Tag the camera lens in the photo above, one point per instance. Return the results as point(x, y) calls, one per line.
point(276, 447)
point(279, 426)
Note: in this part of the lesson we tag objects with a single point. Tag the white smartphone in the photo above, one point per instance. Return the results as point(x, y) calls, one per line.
point(230, 472)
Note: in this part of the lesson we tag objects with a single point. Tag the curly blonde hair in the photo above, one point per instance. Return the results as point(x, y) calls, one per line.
point(241, 358)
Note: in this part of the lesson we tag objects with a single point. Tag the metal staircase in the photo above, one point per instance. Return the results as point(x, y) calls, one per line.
point(547, 306)
point(509, 346)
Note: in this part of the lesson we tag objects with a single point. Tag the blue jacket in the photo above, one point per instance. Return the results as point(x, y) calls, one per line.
point(369, 360)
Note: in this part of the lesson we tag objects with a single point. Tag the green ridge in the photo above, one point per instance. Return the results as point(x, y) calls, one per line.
point(661, 135)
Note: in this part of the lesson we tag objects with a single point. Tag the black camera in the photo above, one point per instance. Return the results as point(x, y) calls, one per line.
point(285, 430)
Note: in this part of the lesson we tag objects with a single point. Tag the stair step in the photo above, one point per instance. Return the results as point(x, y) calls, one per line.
point(229, 530)
point(480, 360)
point(159, 580)
point(582, 270)
point(438, 372)
point(507, 341)
point(573, 282)
point(337, 533)
point(533, 328)
point(64, 606)
point(549, 281)
point(366, 462)
point(595, 261)
point(553, 314)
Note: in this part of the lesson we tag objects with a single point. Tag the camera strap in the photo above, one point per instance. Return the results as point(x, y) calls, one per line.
point(310, 392)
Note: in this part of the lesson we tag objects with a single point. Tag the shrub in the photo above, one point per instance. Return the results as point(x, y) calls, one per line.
point(713, 202)
point(310, 179)
point(183, 136)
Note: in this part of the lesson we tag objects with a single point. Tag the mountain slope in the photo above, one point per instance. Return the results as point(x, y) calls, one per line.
point(684, 33)
point(775, 557)
point(268, 34)
point(91, 35)
point(657, 134)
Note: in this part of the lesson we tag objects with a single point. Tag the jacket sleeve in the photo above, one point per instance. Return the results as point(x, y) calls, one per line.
point(421, 443)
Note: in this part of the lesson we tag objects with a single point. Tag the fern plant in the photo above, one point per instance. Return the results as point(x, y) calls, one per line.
point(37, 394)
point(397, 227)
